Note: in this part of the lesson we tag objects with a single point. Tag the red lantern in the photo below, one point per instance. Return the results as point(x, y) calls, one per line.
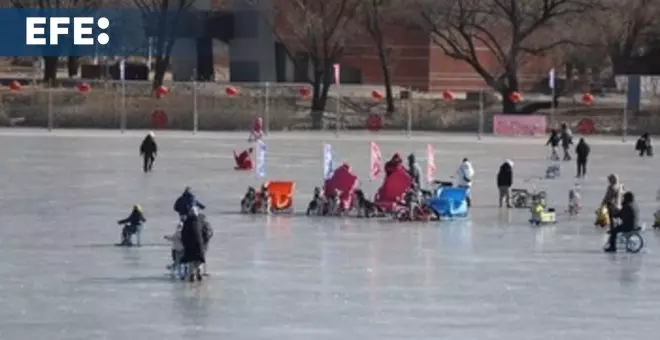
point(587, 99)
point(515, 97)
point(304, 92)
point(231, 91)
point(158, 119)
point(161, 91)
point(84, 88)
point(586, 126)
point(374, 122)
point(448, 96)
point(376, 95)
point(15, 85)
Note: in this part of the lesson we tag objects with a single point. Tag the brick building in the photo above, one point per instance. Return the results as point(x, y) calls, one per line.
point(252, 54)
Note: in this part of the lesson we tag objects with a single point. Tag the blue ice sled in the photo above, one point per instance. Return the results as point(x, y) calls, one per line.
point(449, 202)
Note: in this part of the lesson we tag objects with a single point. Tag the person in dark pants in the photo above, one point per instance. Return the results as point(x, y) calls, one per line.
point(193, 245)
point(566, 141)
point(148, 151)
point(582, 151)
point(629, 219)
point(643, 145)
point(553, 141)
point(504, 182)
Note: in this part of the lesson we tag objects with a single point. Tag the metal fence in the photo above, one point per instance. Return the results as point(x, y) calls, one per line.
point(211, 106)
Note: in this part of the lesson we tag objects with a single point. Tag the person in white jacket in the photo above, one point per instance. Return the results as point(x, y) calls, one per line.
point(465, 175)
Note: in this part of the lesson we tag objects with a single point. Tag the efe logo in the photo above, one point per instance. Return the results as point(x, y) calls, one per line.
point(35, 30)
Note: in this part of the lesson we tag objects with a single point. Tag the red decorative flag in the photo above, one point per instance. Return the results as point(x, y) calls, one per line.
point(430, 163)
point(376, 161)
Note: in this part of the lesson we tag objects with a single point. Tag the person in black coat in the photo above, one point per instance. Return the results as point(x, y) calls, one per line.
point(629, 220)
point(644, 146)
point(192, 239)
point(148, 151)
point(582, 151)
point(504, 182)
point(553, 141)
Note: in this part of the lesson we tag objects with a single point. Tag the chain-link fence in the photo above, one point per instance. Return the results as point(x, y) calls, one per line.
point(214, 106)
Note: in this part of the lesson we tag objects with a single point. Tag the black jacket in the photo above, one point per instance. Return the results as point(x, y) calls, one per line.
point(505, 176)
point(148, 146)
point(135, 218)
point(628, 215)
point(193, 240)
point(582, 151)
point(554, 139)
point(566, 139)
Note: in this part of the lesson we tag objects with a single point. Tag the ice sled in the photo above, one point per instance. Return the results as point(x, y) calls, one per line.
point(523, 198)
point(344, 181)
point(541, 215)
point(553, 171)
point(281, 196)
point(243, 161)
point(393, 190)
point(449, 202)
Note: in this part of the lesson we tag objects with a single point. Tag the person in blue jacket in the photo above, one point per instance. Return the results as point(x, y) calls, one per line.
point(185, 202)
point(132, 225)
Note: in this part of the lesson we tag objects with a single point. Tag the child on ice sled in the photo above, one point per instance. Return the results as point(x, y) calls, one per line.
point(132, 225)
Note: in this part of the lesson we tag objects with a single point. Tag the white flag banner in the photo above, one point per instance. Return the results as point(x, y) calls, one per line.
point(261, 159)
point(430, 163)
point(551, 78)
point(327, 161)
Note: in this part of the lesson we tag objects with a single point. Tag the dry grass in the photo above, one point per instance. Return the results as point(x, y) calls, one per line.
point(103, 108)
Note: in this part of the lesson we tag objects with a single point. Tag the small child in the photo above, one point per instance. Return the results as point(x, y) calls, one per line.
point(132, 225)
point(257, 131)
point(177, 251)
point(574, 201)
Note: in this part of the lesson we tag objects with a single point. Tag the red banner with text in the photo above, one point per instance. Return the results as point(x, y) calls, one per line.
point(519, 125)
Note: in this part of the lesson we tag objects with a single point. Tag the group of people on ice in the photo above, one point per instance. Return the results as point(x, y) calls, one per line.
point(189, 241)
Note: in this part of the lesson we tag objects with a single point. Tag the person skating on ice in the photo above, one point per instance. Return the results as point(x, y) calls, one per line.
point(566, 141)
point(582, 151)
point(504, 182)
point(553, 142)
point(148, 151)
point(644, 146)
point(465, 175)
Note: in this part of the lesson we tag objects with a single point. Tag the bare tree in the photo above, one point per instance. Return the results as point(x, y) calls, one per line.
point(318, 30)
point(512, 31)
point(624, 28)
point(373, 16)
point(50, 62)
point(165, 19)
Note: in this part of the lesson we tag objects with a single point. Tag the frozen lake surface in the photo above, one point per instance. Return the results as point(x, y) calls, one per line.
point(491, 276)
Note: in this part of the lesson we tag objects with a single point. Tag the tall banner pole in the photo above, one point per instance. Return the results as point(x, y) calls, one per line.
point(337, 70)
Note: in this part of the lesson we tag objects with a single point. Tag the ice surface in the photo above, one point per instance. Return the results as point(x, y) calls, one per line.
point(490, 277)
